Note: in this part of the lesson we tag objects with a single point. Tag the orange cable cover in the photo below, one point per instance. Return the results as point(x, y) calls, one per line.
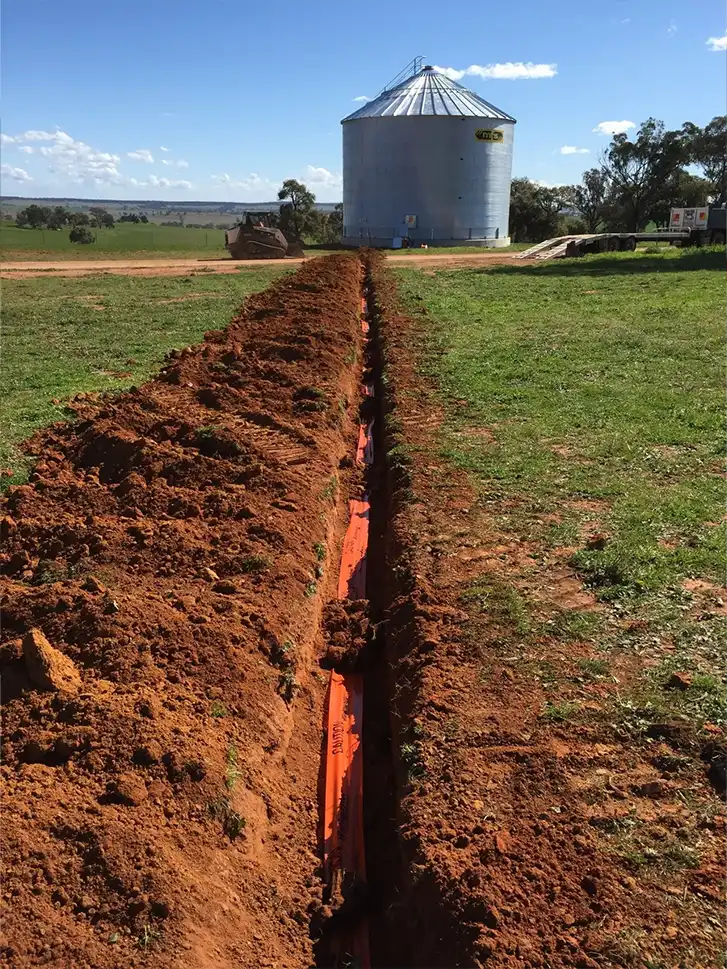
point(343, 833)
point(352, 577)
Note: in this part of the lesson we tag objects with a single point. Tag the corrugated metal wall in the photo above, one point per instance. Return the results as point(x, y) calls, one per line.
point(431, 167)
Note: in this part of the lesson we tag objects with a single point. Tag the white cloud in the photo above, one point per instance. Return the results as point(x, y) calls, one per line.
point(321, 178)
point(156, 182)
point(672, 28)
point(141, 155)
point(510, 71)
point(263, 189)
point(162, 148)
point(76, 163)
point(544, 184)
point(362, 97)
point(27, 136)
point(175, 163)
point(17, 174)
point(717, 43)
point(36, 136)
point(572, 150)
point(613, 127)
point(626, 20)
point(451, 72)
point(253, 187)
point(76, 160)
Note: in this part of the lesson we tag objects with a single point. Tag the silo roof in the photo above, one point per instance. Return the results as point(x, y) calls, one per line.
point(428, 93)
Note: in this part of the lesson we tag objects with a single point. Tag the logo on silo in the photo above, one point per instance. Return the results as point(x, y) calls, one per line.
point(489, 134)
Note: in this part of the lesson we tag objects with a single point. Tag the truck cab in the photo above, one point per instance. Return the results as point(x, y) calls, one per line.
point(705, 224)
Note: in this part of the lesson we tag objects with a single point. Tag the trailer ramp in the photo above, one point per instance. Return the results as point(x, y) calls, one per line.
point(555, 248)
point(550, 249)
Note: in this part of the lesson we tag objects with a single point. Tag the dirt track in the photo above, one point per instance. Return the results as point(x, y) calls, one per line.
point(180, 267)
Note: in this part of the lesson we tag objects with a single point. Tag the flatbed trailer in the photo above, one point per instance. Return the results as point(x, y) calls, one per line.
point(709, 231)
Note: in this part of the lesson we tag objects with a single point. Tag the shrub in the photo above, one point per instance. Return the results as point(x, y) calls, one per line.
point(81, 234)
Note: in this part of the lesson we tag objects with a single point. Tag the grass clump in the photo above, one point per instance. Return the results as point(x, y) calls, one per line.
point(48, 572)
point(329, 492)
point(559, 712)
point(147, 937)
point(288, 685)
point(500, 601)
point(593, 669)
point(572, 624)
point(255, 563)
point(232, 772)
point(233, 823)
point(411, 758)
point(282, 656)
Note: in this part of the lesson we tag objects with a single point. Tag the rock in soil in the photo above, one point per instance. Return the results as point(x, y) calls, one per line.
point(47, 667)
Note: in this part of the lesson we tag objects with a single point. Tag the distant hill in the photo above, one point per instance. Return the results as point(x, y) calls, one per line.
point(15, 202)
point(219, 213)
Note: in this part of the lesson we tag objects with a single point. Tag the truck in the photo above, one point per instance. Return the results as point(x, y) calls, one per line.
point(697, 226)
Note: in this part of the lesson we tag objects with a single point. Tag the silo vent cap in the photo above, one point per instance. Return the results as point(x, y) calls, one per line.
point(428, 67)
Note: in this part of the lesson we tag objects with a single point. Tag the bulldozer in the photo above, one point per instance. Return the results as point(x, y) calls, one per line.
point(256, 238)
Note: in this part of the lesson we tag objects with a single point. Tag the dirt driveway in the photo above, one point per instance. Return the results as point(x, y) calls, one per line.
point(181, 267)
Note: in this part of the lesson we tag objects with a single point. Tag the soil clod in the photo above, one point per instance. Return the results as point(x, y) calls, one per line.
point(47, 667)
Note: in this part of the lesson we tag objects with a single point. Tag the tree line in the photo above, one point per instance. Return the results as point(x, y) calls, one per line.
point(638, 180)
point(297, 217)
point(58, 216)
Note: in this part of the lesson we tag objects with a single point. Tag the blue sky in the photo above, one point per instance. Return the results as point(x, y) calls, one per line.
point(223, 99)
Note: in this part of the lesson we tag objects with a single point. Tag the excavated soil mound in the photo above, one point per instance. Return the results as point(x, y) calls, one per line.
point(162, 579)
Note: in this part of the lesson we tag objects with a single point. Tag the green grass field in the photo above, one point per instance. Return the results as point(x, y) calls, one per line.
point(100, 333)
point(599, 384)
point(122, 242)
point(128, 241)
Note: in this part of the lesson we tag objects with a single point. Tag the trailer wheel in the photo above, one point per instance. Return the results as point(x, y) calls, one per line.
point(614, 244)
point(630, 244)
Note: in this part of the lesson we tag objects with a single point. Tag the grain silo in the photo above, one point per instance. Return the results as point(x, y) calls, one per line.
point(430, 161)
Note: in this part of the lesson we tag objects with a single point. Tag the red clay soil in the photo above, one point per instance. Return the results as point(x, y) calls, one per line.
point(510, 826)
point(160, 781)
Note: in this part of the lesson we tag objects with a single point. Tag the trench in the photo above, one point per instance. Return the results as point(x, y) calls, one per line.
point(357, 787)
